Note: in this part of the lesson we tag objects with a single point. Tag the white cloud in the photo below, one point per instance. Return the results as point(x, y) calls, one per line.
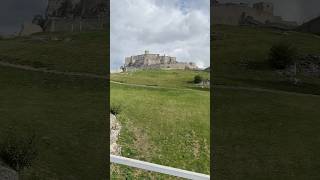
point(178, 28)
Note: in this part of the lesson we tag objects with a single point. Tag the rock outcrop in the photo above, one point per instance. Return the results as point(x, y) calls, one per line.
point(76, 15)
point(115, 128)
point(7, 173)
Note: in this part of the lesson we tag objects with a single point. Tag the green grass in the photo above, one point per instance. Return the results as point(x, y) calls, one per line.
point(163, 78)
point(262, 135)
point(67, 116)
point(86, 52)
point(247, 45)
point(265, 136)
point(164, 126)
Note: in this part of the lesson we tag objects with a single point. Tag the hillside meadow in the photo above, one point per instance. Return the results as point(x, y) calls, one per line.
point(166, 122)
point(265, 127)
point(66, 114)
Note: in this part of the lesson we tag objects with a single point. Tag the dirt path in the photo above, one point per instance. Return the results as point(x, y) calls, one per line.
point(30, 68)
point(89, 75)
point(263, 90)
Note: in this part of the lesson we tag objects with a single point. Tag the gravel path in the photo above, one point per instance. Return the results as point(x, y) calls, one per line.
point(115, 128)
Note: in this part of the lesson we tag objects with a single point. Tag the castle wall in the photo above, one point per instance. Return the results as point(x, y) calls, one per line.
point(75, 25)
point(312, 26)
point(232, 14)
point(85, 15)
point(155, 61)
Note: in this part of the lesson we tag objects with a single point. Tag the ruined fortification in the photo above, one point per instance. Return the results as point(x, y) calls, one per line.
point(259, 14)
point(76, 15)
point(155, 61)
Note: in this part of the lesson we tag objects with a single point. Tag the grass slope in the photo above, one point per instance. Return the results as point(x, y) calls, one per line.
point(163, 126)
point(76, 52)
point(163, 78)
point(237, 46)
point(67, 114)
point(262, 135)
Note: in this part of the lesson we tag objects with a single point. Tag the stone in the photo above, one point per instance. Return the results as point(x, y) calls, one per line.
point(115, 128)
point(155, 61)
point(7, 173)
point(29, 29)
point(257, 14)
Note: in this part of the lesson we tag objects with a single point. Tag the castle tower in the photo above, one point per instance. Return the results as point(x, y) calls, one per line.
point(53, 6)
point(264, 7)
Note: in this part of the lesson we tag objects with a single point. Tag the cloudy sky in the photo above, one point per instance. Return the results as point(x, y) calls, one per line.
point(179, 28)
point(14, 12)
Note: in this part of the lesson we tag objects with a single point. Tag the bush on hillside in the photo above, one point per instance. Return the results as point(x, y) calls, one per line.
point(198, 79)
point(18, 153)
point(115, 108)
point(282, 55)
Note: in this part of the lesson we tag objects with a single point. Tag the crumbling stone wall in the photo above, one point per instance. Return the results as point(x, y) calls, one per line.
point(76, 15)
point(155, 61)
point(235, 14)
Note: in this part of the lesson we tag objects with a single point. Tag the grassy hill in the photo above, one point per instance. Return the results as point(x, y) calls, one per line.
point(241, 54)
point(166, 122)
point(260, 132)
point(76, 52)
point(66, 114)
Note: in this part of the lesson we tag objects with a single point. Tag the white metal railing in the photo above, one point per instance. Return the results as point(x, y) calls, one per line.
point(158, 168)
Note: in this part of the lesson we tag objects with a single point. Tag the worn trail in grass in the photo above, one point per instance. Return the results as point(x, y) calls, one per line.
point(163, 124)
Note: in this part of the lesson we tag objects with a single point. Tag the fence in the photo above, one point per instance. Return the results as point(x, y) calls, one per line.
point(158, 168)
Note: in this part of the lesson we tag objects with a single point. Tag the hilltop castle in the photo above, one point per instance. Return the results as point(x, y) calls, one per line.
point(259, 14)
point(76, 15)
point(155, 61)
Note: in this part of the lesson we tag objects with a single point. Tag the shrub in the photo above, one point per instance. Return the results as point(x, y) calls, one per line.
point(282, 55)
point(18, 153)
point(197, 79)
point(115, 108)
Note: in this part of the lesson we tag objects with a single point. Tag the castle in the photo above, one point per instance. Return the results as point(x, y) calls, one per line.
point(155, 61)
point(76, 15)
point(259, 14)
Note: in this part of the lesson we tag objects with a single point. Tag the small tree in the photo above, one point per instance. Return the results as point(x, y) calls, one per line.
point(197, 79)
point(282, 55)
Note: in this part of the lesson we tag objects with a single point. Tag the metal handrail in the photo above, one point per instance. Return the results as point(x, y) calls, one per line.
point(158, 168)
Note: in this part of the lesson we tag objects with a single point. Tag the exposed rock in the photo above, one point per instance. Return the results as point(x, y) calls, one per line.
point(7, 173)
point(115, 128)
point(309, 65)
point(29, 29)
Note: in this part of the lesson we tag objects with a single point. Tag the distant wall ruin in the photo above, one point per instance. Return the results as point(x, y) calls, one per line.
point(76, 15)
point(238, 14)
point(155, 61)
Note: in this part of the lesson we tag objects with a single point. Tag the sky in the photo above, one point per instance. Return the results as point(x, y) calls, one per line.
point(179, 28)
point(14, 12)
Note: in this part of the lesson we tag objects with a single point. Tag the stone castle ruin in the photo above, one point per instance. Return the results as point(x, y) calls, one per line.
point(69, 16)
point(259, 14)
point(76, 15)
point(154, 61)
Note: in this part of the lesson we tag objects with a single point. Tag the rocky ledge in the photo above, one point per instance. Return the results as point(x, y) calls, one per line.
point(7, 173)
point(115, 128)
